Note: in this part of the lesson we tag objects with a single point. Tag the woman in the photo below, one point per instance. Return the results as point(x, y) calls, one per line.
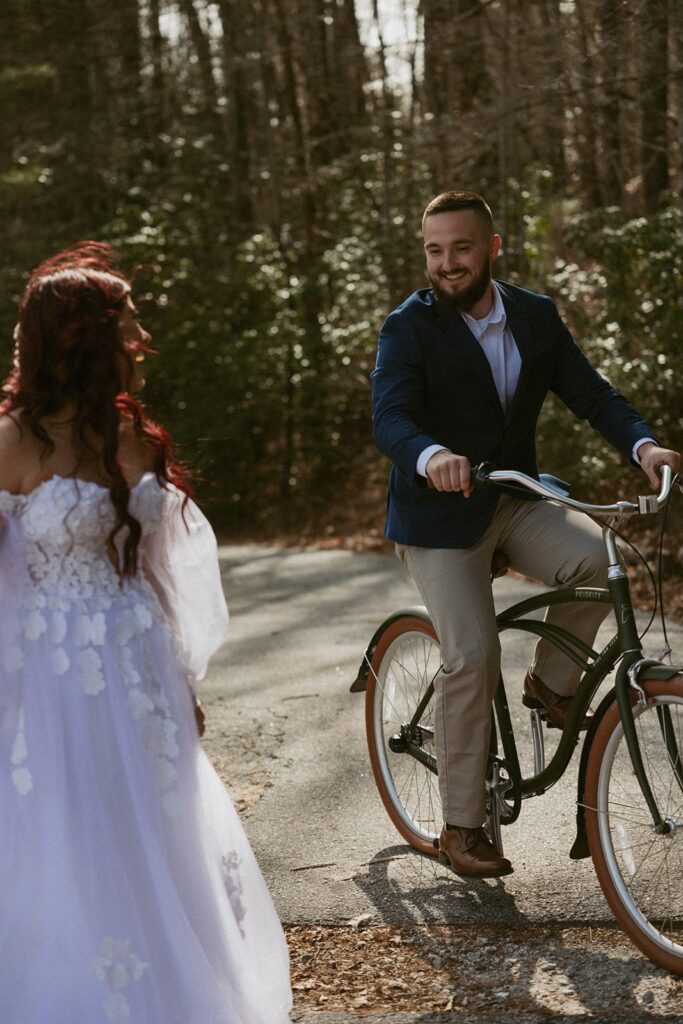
point(129, 891)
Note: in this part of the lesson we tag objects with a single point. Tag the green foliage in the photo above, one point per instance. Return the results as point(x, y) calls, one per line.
point(621, 292)
point(264, 356)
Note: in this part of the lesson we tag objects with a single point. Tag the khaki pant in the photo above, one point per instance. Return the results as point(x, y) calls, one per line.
point(550, 544)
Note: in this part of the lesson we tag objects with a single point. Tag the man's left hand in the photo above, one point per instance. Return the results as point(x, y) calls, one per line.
point(652, 458)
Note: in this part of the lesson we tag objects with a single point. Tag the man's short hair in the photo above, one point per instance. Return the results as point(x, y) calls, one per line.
point(450, 201)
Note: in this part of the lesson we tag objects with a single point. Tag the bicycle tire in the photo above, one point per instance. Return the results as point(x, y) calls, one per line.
point(403, 663)
point(640, 872)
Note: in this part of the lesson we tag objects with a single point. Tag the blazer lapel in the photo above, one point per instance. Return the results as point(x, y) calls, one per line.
point(518, 323)
point(460, 335)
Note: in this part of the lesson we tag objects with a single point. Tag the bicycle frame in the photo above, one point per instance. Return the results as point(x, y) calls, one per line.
point(595, 667)
point(625, 646)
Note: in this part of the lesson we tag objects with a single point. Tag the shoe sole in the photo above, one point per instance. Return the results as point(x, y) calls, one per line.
point(494, 873)
point(536, 705)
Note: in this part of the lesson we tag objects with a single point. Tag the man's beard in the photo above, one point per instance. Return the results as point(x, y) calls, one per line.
point(467, 297)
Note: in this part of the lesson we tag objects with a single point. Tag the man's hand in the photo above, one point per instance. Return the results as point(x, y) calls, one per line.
point(449, 472)
point(652, 458)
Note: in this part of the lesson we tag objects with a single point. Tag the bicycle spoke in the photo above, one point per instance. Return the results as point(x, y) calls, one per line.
point(402, 679)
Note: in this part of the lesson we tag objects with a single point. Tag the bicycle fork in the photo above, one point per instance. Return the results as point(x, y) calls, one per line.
point(626, 680)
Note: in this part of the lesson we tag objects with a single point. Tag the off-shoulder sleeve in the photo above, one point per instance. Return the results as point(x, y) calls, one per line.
point(180, 559)
point(14, 587)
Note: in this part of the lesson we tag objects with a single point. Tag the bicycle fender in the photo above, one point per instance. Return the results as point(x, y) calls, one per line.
point(359, 685)
point(579, 848)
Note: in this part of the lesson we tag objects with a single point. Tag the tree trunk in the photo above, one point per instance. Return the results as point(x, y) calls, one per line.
point(588, 128)
point(610, 119)
point(202, 49)
point(653, 105)
point(157, 101)
point(457, 90)
point(236, 20)
point(676, 15)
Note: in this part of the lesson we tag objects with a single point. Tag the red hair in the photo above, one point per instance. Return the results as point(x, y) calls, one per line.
point(68, 350)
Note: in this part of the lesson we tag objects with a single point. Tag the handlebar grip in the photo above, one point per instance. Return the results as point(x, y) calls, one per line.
point(667, 481)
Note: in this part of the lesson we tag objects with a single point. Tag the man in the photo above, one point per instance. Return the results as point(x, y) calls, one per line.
point(462, 371)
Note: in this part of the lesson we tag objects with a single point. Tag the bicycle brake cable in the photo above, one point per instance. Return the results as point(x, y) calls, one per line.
point(641, 556)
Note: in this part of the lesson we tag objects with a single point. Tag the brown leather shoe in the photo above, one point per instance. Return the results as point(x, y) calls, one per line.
point(469, 852)
point(536, 695)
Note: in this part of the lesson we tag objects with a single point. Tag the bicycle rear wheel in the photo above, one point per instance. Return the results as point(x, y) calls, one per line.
point(641, 872)
point(402, 668)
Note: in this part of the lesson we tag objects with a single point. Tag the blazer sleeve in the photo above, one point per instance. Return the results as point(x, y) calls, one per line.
point(591, 397)
point(398, 396)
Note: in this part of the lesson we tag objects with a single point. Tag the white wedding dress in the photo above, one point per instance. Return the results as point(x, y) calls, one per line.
point(128, 890)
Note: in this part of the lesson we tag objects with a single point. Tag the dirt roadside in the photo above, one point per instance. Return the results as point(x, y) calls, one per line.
point(560, 972)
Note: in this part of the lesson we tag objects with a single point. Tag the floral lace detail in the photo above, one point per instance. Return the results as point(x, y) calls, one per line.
point(234, 886)
point(21, 773)
point(77, 604)
point(65, 523)
point(117, 966)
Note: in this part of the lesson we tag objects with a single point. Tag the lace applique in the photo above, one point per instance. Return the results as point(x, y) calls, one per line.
point(65, 523)
point(90, 629)
point(118, 966)
point(147, 702)
point(90, 665)
point(76, 603)
point(21, 774)
point(234, 886)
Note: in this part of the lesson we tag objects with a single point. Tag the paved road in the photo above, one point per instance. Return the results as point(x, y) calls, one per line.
point(289, 737)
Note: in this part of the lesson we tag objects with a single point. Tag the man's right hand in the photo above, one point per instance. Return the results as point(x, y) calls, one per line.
point(449, 472)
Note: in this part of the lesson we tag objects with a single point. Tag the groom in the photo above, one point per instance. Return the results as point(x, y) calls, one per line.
point(462, 371)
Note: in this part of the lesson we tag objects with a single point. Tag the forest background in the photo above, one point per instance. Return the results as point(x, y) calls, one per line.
point(265, 164)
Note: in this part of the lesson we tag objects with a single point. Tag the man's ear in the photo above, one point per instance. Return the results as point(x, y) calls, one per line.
point(494, 247)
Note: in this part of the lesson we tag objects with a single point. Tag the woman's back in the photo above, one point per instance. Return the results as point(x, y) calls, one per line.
point(26, 463)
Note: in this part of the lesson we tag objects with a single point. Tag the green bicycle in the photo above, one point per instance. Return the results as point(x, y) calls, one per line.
point(630, 786)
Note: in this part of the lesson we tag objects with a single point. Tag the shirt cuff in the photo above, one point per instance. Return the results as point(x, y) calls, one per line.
point(643, 440)
point(427, 453)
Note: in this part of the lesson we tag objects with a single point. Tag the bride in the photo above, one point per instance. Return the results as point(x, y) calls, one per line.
point(129, 891)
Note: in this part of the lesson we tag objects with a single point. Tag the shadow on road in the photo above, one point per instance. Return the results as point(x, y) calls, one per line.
point(573, 970)
point(407, 886)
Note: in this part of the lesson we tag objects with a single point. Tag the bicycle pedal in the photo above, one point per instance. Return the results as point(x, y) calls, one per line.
point(535, 705)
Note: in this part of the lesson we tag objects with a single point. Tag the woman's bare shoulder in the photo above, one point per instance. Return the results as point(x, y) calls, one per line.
point(15, 451)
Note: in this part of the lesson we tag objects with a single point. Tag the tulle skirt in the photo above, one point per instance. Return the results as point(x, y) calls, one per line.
point(128, 890)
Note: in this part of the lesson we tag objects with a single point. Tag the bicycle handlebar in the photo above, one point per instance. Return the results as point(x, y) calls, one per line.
point(645, 504)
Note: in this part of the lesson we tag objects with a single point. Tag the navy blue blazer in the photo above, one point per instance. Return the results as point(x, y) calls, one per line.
point(432, 384)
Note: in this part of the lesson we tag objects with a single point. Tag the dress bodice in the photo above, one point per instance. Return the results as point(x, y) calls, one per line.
point(65, 523)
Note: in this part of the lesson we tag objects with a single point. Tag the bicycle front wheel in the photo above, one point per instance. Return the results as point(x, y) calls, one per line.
point(641, 872)
point(400, 732)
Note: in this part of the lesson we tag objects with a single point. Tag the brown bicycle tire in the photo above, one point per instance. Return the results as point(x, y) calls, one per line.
point(670, 961)
point(405, 624)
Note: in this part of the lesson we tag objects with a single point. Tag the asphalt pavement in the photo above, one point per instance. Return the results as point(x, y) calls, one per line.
point(289, 738)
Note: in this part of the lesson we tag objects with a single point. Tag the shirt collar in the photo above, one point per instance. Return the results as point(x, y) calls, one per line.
point(496, 315)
